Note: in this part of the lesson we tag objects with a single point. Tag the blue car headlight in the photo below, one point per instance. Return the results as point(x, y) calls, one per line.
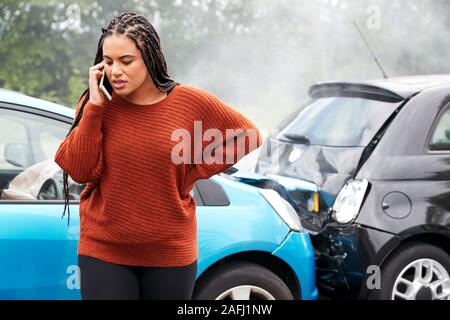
point(283, 208)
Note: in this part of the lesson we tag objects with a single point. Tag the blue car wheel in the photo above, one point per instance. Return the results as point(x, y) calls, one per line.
point(241, 281)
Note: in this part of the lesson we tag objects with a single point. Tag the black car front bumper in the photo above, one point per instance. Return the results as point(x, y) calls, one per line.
point(347, 259)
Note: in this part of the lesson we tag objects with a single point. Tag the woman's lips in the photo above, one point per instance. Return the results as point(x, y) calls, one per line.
point(119, 84)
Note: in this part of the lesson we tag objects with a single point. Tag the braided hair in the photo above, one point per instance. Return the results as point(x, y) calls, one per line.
point(139, 29)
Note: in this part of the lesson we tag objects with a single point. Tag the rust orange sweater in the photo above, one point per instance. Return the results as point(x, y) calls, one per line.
point(136, 208)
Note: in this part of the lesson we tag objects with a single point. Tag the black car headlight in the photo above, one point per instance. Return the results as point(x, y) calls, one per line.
point(349, 200)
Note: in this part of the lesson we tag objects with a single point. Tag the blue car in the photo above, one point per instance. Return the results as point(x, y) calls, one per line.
point(251, 243)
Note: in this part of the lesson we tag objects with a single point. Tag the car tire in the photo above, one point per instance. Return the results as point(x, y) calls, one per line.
point(241, 281)
point(49, 191)
point(399, 273)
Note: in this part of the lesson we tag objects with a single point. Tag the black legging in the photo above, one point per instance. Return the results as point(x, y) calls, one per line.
point(104, 280)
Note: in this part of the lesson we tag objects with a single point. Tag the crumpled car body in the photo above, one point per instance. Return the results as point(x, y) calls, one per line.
point(400, 145)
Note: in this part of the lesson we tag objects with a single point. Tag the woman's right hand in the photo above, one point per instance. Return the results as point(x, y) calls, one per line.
point(95, 74)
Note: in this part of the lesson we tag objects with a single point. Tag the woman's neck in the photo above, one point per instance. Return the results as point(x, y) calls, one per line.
point(148, 98)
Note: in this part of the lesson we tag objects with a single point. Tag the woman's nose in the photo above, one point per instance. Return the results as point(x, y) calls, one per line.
point(115, 70)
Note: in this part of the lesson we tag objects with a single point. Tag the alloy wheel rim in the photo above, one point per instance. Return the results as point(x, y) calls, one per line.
point(423, 279)
point(246, 292)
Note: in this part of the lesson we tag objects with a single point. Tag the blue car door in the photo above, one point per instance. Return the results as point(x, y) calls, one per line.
point(38, 250)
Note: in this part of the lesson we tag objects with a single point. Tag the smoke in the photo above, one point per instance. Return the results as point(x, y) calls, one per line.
point(264, 66)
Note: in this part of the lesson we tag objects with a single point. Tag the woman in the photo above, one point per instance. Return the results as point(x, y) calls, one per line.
point(138, 233)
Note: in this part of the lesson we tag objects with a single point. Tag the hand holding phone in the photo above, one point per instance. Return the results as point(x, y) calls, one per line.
point(96, 94)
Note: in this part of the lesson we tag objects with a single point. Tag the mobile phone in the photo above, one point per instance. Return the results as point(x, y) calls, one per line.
point(106, 87)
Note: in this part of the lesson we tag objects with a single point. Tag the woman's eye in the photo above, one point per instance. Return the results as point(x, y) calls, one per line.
point(124, 62)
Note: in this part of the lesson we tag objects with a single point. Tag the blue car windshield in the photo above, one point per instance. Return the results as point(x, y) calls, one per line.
point(337, 121)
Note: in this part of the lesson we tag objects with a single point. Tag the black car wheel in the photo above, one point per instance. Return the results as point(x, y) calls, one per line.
point(241, 281)
point(417, 271)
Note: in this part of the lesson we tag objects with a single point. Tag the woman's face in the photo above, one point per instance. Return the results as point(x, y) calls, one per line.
point(123, 61)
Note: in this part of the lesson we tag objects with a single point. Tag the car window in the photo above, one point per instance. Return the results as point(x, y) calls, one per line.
point(339, 121)
point(28, 143)
point(11, 132)
point(441, 135)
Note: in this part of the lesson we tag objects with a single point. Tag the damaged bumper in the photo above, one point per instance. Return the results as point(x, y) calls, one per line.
point(347, 259)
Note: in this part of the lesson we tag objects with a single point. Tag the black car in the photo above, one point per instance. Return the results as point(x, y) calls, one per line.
point(368, 169)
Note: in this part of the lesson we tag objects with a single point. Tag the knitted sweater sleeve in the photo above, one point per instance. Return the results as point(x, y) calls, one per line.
point(80, 154)
point(238, 137)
